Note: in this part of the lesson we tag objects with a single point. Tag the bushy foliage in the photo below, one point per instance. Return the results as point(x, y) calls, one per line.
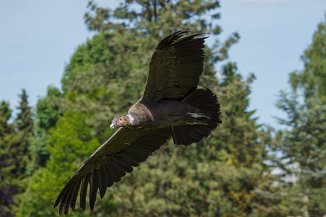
point(14, 153)
point(7, 190)
point(69, 143)
point(302, 144)
point(227, 174)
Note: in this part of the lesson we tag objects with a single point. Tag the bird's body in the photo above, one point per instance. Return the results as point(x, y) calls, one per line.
point(171, 106)
point(161, 113)
point(157, 111)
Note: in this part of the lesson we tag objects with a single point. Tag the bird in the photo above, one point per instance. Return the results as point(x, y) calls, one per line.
point(171, 106)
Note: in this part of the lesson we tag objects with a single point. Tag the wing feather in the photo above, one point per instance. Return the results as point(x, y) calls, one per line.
point(175, 67)
point(83, 191)
point(108, 164)
point(74, 197)
point(93, 189)
point(102, 183)
point(71, 195)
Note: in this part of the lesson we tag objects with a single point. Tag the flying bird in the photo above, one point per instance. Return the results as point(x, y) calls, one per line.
point(171, 106)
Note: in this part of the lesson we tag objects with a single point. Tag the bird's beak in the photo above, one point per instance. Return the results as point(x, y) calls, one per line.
point(112, 126)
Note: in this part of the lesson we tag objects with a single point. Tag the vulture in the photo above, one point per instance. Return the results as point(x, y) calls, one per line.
point(171, 106)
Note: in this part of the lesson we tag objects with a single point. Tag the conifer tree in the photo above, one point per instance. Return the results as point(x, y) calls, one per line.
point(48, 112)
point(7, 189)
point(5, 115)
point(24, 116)
point(303, 143)
point(14, 151)
point(19, 149)
point(312, 79)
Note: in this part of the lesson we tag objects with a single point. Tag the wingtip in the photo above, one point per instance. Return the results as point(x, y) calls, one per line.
point(190, 33)
point(55, 206)
point(60, 210)
point(181, 32)
point(56, 203)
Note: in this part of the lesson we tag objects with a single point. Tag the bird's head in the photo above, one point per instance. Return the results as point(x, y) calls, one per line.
point(120, 121)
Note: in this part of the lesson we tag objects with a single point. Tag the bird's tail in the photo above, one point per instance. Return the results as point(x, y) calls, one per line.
point(210, 116)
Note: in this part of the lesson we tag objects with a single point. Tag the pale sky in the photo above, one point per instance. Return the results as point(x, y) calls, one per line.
point(38, 37)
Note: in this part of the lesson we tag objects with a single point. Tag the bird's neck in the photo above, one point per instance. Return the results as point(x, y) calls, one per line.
point(133, 120)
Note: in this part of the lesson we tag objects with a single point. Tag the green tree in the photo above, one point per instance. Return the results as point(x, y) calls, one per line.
point(48, 111)
point(69, 143)
point(5, 115)
point(14, 148)
point(19, 145)
point(221, 176)
point(7, 190)
point(312, 79)
point(302, 144)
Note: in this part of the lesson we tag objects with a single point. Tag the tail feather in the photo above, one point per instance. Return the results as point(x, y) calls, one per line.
point(210, 115)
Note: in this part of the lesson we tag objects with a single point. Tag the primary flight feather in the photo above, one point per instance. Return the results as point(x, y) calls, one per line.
point(171, 106)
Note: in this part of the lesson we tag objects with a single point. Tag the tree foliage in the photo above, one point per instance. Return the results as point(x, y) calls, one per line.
point(69, 143)
point(224, 175)
point(14, 152)
point(302, 144)
point(19, 144)
point(7, 190)
point(311, 80)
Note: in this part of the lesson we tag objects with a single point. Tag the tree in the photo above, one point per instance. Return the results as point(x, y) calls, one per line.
point(48, 111)
point(19, 147)
point(312, 79)
point(5, 115)
point(302, 144)
point(14, 153)
point(7, 190)
point(106, 75)
point(69, 143)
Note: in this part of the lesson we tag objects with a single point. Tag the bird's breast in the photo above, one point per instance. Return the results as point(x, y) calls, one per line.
point(141, 112)
point(163, 110)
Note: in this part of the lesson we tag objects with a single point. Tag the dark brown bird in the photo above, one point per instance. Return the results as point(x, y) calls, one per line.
point(171, 106)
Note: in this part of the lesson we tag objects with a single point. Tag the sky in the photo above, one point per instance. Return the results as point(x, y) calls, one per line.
point(38, 38)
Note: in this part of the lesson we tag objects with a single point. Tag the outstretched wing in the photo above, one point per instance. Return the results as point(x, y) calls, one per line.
point(175, 67)
point(108, 164)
